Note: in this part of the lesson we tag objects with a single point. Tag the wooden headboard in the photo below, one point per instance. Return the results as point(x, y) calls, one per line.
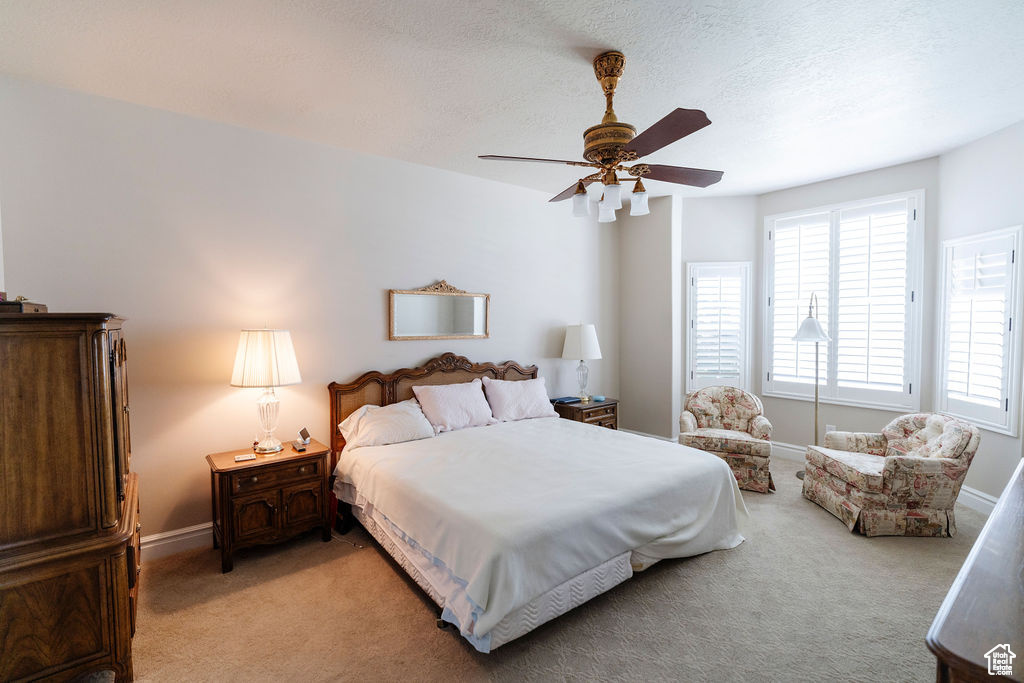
point(382, 389)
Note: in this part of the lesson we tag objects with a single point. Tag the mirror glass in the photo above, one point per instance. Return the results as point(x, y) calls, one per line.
point(424, 314)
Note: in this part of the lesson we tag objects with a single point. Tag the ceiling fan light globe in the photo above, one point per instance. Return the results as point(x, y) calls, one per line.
point(638, 204)
point(580, 205)
point(613, 195)
point(605, 214)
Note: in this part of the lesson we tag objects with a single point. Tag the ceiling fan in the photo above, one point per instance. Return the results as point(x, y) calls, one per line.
point(611, 144)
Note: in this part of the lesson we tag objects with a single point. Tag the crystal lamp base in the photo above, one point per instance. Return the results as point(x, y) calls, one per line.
point(266, 408)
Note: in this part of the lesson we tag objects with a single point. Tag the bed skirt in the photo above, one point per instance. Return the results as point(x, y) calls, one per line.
point(544, 608)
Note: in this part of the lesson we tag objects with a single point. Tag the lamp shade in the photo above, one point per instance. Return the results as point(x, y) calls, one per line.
point(581, 343)
point(810, 331)
point(265, 358)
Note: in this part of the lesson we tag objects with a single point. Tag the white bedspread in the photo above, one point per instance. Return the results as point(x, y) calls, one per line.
point(515, 509)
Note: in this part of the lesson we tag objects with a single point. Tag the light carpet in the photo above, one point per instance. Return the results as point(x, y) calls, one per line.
point(802, 599)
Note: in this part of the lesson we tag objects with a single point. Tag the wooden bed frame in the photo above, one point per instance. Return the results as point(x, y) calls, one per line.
point(380, 389)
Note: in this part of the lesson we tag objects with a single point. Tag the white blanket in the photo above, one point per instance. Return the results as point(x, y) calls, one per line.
point(514, 509)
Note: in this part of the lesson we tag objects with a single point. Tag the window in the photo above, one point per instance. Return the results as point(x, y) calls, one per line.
point(862, 261)
point(978, 379)
point(718, 304)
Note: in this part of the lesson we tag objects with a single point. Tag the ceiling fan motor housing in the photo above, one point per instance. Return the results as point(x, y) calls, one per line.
point(603, 142)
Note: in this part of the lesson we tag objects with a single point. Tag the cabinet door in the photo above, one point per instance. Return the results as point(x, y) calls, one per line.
point(255, 516)
point(303, 504)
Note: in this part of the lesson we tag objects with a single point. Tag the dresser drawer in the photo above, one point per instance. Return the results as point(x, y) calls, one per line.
point(598, 414)
point(268, 477)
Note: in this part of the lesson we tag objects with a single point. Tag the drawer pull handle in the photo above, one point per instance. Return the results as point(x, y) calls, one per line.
point(138, 527)
point(302, 470)
point(253, 480)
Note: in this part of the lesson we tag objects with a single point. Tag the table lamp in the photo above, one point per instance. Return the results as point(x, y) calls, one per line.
point(581, 343)
point(266, 359)
point(810, 331)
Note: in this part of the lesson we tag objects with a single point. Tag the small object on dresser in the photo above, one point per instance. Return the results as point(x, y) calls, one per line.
point(599, 399)
point(298, 446)
point(244, 457)
point(566, 400)
point(303, 435)
point(19, 305)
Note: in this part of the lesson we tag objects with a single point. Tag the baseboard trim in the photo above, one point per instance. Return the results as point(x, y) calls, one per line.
point(176, 541)
point(649, 436)
point(788, 451)
point(969, 497)
point(977, 500)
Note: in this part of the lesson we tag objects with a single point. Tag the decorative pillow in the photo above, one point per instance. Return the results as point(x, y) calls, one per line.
point(454, 406)
point(372, 425)
point(518, 400)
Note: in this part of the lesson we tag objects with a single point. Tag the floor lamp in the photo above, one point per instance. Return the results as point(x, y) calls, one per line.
point(810, 331)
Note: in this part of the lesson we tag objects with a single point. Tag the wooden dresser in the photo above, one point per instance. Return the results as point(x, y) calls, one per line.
point(980, 625)
point(69, 510)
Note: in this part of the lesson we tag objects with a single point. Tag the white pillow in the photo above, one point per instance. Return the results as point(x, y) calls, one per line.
point(372, 425)
point(518, 400)
point(454, 406)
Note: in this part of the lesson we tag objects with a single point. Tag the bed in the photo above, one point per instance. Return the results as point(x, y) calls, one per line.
point(510, 525)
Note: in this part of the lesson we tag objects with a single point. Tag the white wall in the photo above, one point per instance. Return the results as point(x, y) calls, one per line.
point(718, 229)
point(193, 230)
point(653, 252)
point(982, 186)
point(649, 322)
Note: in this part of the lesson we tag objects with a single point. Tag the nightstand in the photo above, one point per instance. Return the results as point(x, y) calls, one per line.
point(601, 413)
point(269, 499)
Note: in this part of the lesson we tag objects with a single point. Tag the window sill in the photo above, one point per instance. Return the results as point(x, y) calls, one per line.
point(872, 405)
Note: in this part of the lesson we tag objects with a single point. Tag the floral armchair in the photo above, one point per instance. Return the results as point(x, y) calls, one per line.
point(901, 482)
point(729, 422)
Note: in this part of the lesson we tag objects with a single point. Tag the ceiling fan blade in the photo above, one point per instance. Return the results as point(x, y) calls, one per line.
point(677, 125)
point(569, 191)
point(498, 157)
point(698, 177)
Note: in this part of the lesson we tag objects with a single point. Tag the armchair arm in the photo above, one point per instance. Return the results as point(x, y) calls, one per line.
point(857, 442)
point(687, 422)
point(760, 428)
point(912, 478)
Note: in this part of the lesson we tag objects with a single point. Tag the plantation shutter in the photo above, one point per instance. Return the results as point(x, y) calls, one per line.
point(862, 260)
point(801, 267)
point(871, 297)
point(979, 279)
point(718, 335)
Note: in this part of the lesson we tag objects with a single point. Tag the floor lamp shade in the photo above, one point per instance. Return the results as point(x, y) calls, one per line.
point(810, 331)
point(266, 359)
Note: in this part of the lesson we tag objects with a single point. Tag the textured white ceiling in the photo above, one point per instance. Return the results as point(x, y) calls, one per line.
point(798, 90)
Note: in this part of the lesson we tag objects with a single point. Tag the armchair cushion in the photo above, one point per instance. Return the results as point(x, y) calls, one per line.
point(857, 442)
point(687, 422)
point(862, 470)
point(723, 408)
point(726, 441)
point(927, 435)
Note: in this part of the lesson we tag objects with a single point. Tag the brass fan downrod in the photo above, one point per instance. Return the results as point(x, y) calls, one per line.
point(603, 143)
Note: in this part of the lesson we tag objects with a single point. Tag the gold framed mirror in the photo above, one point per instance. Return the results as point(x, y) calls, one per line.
point(438, 311)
